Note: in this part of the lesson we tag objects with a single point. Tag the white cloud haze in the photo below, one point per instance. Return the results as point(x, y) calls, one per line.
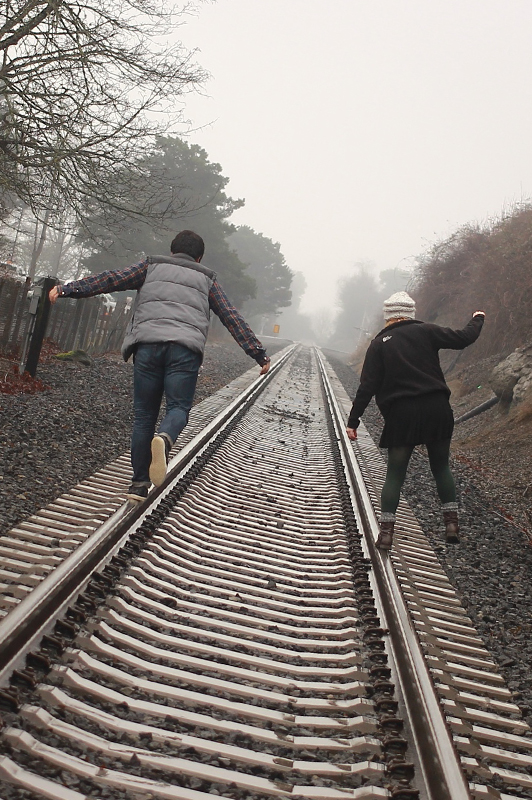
point(364, 130)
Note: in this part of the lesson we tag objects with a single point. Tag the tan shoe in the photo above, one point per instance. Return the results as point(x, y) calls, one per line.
point(159, 459)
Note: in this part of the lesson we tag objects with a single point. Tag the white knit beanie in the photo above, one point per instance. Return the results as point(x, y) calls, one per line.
point(399, 304)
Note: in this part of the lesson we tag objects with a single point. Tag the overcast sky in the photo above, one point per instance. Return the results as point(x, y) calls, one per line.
point(364, 130)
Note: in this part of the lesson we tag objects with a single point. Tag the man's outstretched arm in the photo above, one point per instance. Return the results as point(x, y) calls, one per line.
point(237, 326)
point(117, 280)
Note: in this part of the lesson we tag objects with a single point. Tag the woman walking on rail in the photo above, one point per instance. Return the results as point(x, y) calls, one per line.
point(402, 370)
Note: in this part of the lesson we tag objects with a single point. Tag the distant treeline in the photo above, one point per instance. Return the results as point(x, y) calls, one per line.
point(487, 267)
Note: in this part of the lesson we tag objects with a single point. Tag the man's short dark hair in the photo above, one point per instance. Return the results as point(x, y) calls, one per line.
point(189, 243)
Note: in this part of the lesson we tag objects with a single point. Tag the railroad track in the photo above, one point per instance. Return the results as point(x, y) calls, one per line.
point(239, 634)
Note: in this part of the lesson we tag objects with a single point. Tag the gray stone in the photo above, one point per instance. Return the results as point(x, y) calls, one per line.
point(511, 379)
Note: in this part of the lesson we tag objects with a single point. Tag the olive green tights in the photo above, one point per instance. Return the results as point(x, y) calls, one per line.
point(398, 459)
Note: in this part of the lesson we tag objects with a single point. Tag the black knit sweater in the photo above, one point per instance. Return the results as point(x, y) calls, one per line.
point(403, 361)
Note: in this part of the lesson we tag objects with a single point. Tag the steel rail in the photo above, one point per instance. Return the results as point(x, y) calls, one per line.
point(37, 612)
point(442, 771)
point(229, 639)
point(246, 605)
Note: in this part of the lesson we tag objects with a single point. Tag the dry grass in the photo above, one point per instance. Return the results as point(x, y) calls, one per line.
point(523, 411)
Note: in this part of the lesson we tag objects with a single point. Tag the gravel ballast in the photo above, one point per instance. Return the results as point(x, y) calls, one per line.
point(52, 440)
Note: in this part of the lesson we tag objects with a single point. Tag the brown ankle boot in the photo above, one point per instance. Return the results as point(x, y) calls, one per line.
point(385, 538)
point(452, 528)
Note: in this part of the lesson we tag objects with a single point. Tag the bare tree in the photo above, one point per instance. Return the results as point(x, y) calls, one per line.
point(84, 87)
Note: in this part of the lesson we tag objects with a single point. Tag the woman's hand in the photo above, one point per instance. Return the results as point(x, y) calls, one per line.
point(352, 433)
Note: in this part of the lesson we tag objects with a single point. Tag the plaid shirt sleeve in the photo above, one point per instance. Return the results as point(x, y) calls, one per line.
point(236, 325)
point(105, 282)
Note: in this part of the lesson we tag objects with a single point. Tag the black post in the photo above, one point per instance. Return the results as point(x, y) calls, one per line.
point(39, 330)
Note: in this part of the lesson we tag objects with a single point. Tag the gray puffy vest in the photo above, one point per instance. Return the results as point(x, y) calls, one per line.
point(172, 305)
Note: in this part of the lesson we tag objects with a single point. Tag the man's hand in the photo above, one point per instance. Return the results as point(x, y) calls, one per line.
point(53, 294)
point(265, 368)
point(352, 433)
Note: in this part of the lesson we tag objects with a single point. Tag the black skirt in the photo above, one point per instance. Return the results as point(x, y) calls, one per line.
point(420, 419)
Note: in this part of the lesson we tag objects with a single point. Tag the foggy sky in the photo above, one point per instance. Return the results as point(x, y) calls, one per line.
point(364, 130)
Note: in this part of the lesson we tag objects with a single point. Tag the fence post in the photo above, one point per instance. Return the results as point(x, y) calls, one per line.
point(120, 319)
point(13, 293)
point(39, 329)
point(82, 334)
point(20, 314)
point(68, 341)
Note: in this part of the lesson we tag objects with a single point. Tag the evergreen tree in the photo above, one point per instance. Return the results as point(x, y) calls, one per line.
point(192, 196)
point(266, 265)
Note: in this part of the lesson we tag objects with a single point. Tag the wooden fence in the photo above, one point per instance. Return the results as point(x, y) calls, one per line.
point(89, 325)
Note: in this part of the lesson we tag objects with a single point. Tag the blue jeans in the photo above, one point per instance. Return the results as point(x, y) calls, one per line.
point(161, 368)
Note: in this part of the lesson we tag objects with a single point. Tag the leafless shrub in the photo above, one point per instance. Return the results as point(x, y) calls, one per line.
point(84, 87)
point(488, 268)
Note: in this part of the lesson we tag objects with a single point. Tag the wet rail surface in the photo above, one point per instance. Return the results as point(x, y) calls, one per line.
point(242, 637)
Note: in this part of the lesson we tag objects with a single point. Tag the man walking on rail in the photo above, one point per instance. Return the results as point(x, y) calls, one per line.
point(166, 336)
